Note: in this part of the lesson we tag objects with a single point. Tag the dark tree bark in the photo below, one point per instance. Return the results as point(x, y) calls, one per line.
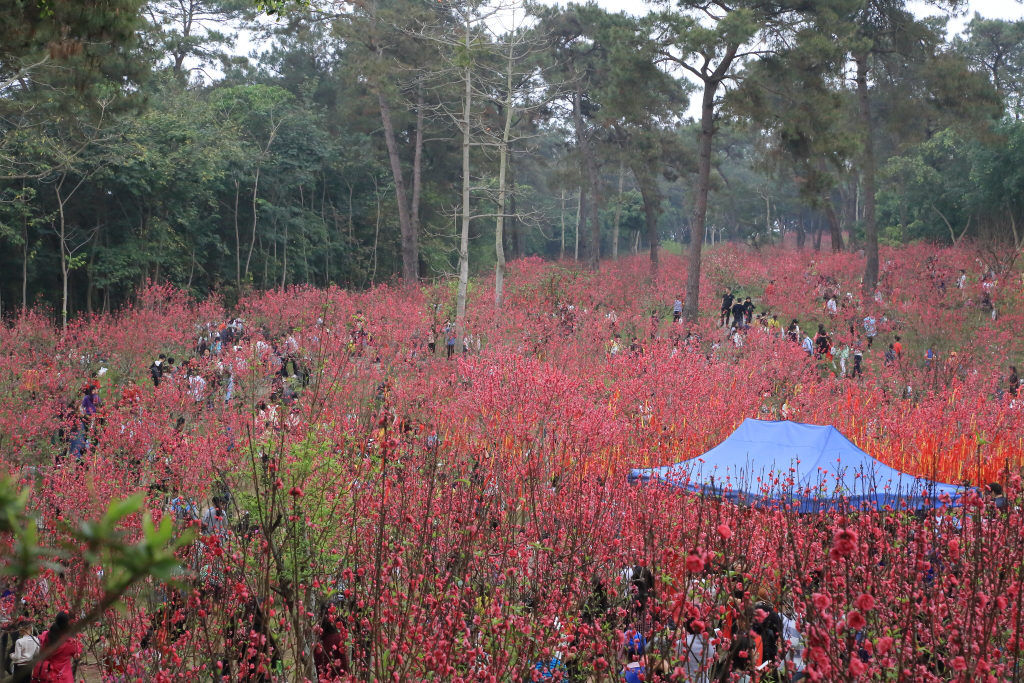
point(700, 204)
point(868, 177)
point(652, 209)
point(515, 226)
point(588, 218)
point(835, 230)
point(417, 182)
point(407, 213)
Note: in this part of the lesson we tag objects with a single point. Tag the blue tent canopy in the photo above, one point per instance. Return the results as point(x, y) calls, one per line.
point(813, 466)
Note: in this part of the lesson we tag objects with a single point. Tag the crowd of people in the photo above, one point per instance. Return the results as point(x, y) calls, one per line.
point(728, 631)
point(849, 341)
point(841, 342)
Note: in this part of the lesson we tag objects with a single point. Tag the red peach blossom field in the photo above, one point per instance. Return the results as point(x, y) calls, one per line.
point(332, 485)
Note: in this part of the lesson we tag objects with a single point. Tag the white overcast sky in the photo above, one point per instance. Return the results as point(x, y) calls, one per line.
point(991, 9)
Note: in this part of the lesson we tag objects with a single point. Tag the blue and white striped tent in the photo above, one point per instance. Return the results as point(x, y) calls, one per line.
point(814, 467)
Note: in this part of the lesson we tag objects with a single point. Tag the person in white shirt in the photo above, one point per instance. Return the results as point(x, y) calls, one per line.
point(794, 643)
point(25, 649)
point(197, 386)
point(214, 520)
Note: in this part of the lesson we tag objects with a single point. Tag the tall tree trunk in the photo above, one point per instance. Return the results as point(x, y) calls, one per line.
point(413, 246)
point(306, 270)
point(700, 204)
point(868, 170)
point(376, 233)
point(801, 233)
point(594, 254)
point(835, 230)
point(63, 254)
point(351, 233)
point(191, 269)
point(499, 229)
point(409, 255)
point(514, 225)
point(580, 203)
point(651, 195)
point(857, 212)
point(266, 261)
point(284, 256)
point(238, 243)
point(181, 48)
point(561, 248)
point(89, 280)
point(63, 271)
point(24, 265)
point(460, 300)
point(593, 249)
point(618, 215)
point(255, 218)
point(499, 226)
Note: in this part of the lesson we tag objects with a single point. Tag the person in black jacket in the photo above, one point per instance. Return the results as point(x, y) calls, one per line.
point(738, 311)
point(726, 307)
point(768, 624)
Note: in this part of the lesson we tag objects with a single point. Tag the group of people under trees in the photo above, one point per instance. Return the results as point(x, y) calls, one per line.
point(823, 346)
point(728, 631)
point(446, 335)
point(843, 352)
point(840, 344)
point(48, 657)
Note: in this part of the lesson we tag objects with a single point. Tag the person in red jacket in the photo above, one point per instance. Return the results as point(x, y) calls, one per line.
point(59, 666)
point(331, 654)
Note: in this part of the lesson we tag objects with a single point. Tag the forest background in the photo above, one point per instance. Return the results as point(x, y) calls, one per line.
point(374, 141)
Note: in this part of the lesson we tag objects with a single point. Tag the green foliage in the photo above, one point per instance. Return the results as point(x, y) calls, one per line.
point(954, 185)
point(277, 172)
point(104, 543)
point(995, 48)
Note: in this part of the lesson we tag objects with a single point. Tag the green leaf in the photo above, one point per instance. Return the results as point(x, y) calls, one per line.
point(119, 509)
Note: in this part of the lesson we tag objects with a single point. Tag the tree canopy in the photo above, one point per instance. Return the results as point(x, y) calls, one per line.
point(139, 141)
